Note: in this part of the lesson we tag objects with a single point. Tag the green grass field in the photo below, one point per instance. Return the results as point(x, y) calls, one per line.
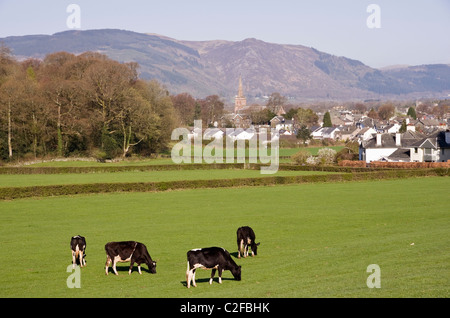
point(21, 180)
point(316, 240)
point(283, 152)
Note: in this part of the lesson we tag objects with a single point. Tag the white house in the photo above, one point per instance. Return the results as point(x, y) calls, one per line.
point(407, 147)
point(326, 133)
point(378, 148)
point(366, 133)
point(213, 133)
point(280, 123)
point(242, 134)
point(392, 128)
point(434, 148)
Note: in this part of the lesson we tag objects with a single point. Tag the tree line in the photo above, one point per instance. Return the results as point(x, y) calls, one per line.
point(88, 105)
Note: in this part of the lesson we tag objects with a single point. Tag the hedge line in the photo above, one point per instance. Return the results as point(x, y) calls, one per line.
point(92, 188)
point(96, 169)
point(201, 166)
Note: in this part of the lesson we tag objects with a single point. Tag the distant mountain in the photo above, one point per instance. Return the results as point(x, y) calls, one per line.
point(213, 67)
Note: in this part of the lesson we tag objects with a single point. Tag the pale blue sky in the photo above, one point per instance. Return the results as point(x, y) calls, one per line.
point(412, 31)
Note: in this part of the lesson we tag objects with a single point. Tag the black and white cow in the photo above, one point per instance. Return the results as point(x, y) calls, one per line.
point(128, 251)
point(210, 258)
point(78, 246)
point(246, 237)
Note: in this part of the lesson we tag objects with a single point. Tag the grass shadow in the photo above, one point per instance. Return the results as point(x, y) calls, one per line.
point(206, 280)
point(127, 268)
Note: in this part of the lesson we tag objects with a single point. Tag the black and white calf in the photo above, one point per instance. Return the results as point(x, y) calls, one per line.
point(129, 251)
point(78, 246)
point(246, 238)
point(210, 258)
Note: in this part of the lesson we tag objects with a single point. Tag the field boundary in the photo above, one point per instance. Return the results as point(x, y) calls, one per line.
point(194, 166)
point(10, 193)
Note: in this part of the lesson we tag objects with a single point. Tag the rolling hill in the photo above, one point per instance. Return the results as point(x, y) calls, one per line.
point(213, 67)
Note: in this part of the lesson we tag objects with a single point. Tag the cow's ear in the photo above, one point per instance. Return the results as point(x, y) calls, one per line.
point(257, 244)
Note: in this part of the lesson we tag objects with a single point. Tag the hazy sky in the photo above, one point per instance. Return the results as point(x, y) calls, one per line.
point(411, 31)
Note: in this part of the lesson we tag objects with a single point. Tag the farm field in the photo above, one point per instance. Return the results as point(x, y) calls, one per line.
point(21, 180)
point(316, 240)
point(283, 152)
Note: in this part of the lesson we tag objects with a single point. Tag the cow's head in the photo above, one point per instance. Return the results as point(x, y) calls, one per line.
point(237, 272)
point(255, 248)
point(152, 267)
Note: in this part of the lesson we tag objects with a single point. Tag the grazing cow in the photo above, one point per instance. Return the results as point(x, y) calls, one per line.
point(210, 258)
point(246, 237)
point(78, 246)
point(129, 251)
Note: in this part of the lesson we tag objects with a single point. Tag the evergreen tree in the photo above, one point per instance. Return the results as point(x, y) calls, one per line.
point(327, 120)
point(304, 134)
point(412, 113)
point(403, 127)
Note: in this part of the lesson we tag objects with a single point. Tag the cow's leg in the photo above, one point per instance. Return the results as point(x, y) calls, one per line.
point(245, 250)
point(80, 257)
point(193, 278)
point(220, 275)
point(74, 261)
point(188, 276)
point(114, 262)
point(213, 272)
point(108, 261)
point(241, 248)
point(131, 267)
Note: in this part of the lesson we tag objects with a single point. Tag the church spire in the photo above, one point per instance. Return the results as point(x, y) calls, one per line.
point(240, 91)
point(240, 100)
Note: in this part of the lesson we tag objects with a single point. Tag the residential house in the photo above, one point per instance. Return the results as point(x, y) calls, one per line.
point(392, 128)
point(280, 123)
point(430, 125)
point(410, 146)
point(349, 133)
point(242, 134)
point(433, 148)
point(241, 121)
point(213, 133)
point(327, 133)
point(365, 134)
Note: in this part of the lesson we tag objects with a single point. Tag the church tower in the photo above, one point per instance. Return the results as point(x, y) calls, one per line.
point(239, 101)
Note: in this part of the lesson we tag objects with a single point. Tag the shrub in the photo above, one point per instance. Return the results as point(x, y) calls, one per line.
point(326, 156)
point(312, 161)
point(301, 157)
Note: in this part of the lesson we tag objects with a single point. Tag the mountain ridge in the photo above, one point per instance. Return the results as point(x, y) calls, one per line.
point(204, 68)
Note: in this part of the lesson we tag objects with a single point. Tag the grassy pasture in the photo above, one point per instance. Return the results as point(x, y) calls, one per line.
point(283, 152)
point(316, 240)
point(21, 180)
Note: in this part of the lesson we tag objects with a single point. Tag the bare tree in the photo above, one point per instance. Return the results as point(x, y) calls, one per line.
point(275, 101)
point(386, 111)
point(184, 103)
